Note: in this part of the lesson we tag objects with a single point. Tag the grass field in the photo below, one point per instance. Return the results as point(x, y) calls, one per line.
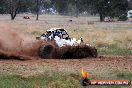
point(110, 38)
point(55, 80)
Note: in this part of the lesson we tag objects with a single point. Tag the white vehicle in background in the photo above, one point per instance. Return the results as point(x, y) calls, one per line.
point(129, 14)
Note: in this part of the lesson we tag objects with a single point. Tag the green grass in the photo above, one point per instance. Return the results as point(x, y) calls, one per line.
point(56, 80)
point(124, 75)
point(113, 49)
point(36, 33)
point(13, 81)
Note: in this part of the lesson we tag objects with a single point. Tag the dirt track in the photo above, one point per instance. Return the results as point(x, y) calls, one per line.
point(101, 64)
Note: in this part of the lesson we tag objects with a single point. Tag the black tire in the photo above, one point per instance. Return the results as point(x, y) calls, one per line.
point(46, 51)
point(94, 52)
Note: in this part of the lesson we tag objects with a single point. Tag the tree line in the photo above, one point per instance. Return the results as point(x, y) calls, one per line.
point(104, 8)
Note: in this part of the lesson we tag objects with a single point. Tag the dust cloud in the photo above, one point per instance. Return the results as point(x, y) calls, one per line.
point(16, 45)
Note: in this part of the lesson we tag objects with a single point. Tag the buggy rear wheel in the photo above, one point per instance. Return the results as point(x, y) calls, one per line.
point(46, 51)
point(94, 53)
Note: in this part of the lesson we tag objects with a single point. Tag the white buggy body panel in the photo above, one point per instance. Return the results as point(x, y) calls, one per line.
point(61, 37)
point(63, 42)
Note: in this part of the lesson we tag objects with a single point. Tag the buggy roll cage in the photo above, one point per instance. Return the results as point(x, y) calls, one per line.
point(61, 33)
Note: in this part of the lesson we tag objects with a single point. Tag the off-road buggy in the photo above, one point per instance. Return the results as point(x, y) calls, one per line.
point(59, 45)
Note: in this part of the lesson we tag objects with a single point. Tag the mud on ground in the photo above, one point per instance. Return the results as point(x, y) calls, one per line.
point(102, 65)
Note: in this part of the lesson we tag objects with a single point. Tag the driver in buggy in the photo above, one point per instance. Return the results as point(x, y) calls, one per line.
point(57, 33)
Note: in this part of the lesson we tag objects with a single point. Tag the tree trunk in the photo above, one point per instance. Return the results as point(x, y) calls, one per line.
point(13, 11)
point(37, 10)
point(14, 6)
point(37, 16)
point(13, 15)
point(102, 17)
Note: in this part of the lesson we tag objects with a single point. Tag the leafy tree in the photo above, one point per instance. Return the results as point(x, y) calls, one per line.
point(119, 7)
point(112, 8)
point(13, 7)
point(130, 4)
point(3, 7)
point(60, 5)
